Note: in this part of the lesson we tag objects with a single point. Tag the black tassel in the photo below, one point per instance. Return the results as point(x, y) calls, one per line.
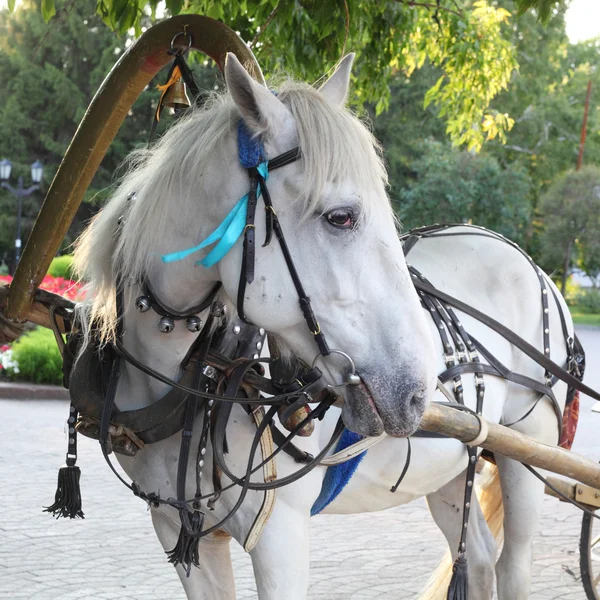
point(185, 552)
point(67, 500)
point(459, 584)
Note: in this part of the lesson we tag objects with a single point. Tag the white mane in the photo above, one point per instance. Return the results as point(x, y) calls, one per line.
point(335, 145)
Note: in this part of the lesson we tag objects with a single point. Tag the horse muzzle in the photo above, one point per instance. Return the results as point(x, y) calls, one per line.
point(382, 404)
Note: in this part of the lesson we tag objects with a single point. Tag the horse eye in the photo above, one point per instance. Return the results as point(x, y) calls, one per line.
point(342, 218)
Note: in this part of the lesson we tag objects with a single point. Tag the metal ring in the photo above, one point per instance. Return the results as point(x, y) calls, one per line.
point(352, 367)
point(317, 332)
point(189, 40)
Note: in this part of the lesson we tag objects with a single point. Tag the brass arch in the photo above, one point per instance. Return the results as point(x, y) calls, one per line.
point(101, 122)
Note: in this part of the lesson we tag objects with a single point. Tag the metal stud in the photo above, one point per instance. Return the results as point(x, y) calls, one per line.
point(353, 379)
point(166, 325)
point(201, 463)
point(546, 331)
point(142, 303)
point(546, 310)
point(211, 402)
point(256, 356)
point(203, 451)
point(547, 350)
point(193, 324)
point(261, 331)
point(236, 329)
point(258, 345)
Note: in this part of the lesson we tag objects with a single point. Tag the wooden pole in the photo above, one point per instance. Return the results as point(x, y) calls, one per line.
point(465, 427)
point(584, 126)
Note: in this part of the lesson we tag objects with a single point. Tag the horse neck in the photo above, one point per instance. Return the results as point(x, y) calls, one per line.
point(163, 352)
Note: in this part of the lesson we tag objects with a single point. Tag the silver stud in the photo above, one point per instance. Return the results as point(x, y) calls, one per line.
point(236, 329)
point(544, 291)
point(166, 325)
point(261, 331)
point(208, 413)
point(71, 419)
point(193, 324)
point(71, 441)
point(256, 356)
point(465, 525)
point(201, 463)
point(468, 505)
point(473, 459)
point(258, 345)
point(142, 303)
point(546, 331)
point(71, 430)
point(546, 310)
point(211, 402)
point(203, 451)
point(72, 409)
point(353, 379)
point(469, 483)
point(547, 350)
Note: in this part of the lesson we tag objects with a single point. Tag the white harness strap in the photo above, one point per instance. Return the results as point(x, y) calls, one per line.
point(269, 474)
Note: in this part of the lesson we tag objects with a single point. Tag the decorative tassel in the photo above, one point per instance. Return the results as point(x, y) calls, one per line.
point(459, 584)
point(185, 552)
point(67, 500)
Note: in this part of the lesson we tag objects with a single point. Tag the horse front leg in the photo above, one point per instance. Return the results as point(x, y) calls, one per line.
point(214, 579)
point(281, 557)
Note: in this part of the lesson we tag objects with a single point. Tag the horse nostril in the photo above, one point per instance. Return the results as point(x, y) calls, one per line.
point(414, 400)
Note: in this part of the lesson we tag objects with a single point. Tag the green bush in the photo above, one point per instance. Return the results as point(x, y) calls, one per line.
point(62, 266)
point(588, 301)
point(38, 357)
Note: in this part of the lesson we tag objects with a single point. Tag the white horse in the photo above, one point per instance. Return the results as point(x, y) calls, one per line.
point(337, 219)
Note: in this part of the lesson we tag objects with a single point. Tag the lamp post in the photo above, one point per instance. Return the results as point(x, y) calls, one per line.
point(20, 192)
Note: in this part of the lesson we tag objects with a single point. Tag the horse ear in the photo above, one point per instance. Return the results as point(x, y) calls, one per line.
point(335, 89)
point(261, 110)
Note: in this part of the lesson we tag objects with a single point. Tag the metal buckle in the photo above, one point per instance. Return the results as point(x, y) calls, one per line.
point(210, 372)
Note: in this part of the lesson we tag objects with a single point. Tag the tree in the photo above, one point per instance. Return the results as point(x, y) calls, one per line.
point(465, 39)
point(50, 74)
point(571, 214)
point(459, 187)
point(546, 98)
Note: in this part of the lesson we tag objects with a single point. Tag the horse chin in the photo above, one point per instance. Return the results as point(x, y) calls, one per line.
point(365, 415)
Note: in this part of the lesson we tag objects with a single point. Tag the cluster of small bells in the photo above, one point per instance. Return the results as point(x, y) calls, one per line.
point(166, 324)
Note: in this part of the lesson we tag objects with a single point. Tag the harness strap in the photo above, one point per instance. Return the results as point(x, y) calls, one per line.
point(511, 337)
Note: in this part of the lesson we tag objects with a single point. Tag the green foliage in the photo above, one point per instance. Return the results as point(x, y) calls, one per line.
point(459, 187)
point(463, 38)
point(62, 266)
point(38, 357)
point(587, 301)
point(546, 98)
point(571, 214)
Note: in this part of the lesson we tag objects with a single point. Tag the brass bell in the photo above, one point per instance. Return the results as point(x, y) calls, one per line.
point(176, 97)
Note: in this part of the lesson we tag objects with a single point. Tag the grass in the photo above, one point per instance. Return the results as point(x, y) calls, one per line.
point(583, 318)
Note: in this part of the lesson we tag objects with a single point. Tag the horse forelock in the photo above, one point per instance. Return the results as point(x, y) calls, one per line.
point(336, 148)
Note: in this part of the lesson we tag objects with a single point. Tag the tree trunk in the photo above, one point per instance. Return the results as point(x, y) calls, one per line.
point(566, 265)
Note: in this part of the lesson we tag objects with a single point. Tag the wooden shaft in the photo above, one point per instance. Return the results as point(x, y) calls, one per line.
point(508, 442)
point(107, 111)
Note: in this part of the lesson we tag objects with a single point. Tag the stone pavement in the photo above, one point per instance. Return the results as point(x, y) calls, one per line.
point(114, 553)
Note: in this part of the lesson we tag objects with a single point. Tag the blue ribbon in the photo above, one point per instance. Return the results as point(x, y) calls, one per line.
point(226, 234)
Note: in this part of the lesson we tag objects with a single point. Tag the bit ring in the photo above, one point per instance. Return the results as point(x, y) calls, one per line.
point(351, 379)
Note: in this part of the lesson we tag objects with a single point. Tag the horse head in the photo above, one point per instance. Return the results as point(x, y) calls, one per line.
point(341, 245)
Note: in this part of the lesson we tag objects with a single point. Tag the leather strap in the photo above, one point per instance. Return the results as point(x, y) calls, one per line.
point(511, 337)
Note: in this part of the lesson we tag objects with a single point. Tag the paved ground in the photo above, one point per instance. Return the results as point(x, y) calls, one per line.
point(113, 553)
